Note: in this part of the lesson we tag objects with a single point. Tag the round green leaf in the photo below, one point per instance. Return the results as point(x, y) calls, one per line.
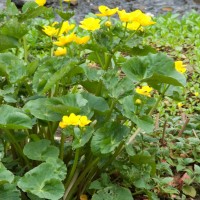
point(107, 138)
point(9, 192)
point(42, 182)
point(13, 118)
point(113, 193)
point(41, 150)
point(153, 69)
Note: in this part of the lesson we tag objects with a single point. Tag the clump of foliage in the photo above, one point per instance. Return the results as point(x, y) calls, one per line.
point(78, 104)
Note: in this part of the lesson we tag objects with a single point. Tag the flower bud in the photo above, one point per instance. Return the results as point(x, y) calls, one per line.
point(108, 23)
point(138, 101)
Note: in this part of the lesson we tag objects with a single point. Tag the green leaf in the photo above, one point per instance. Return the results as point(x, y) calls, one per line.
point(142, 50)
point(58, 75)
point(107, 138)
point(8, 42)
point(113, 193)
point(40, 150)
point(32, 12)
point(96, 103)
point(60, 169)
point(196, 169)
point(81, 136)
point(52, 109)
point(40, 108)
point(130, 110)
point(153, 69)
point(92, 73)
point(9, 192)
point(65, 15)
point(70, 103)
point(189, 190)
point(31, 67)
point(12, 67)
point(117, 87)
point(5, 175)
point(14, 29)
point(57, 71)
point(42, 181)
point(11, 8)
point(144, 158)
point(14, 118)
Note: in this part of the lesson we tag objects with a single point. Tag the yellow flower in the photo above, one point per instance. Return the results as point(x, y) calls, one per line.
point(81, 40)
point(60, 51)
point(75, 120)
point(134, 26)
point(138, 101)
point(136, 16)
point(83, 121)
point(40, 2)
point(66, 0)
point(66, 27)
point(50, 31)
point(196, 94)
point(83, 197)
point(63, 40)
point(145, 90)
point(180, 67)
point(180, 104)
point(124, 16)
point(90, 24)
point(105, 11)
point(65, 122)
point(55, 23)
point(108, 23)
point(142, 18)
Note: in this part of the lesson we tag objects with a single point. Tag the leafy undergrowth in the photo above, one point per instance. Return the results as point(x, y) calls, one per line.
point(98, 110)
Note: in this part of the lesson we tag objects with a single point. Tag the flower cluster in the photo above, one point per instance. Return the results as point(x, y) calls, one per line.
point(74, 120)
point(63, 36)
point(133, 20)
point(144, 90)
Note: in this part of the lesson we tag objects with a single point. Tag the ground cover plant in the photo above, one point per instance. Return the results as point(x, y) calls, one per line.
point(83, 106)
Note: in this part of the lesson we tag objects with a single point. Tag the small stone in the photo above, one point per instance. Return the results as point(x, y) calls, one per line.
point(167, 9)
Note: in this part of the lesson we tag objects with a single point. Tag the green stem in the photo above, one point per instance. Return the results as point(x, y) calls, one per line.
point(16, 146)
point(25, 50)
point(61, 6)
point(51, 134)
point(108, 58)
point(111, 110)
point(158, 100)
point(80, 179)
point(62, 141)
point(105, 67)
point(73, 168)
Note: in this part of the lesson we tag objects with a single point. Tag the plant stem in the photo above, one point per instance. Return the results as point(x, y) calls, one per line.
point(16, 146)
point(25, 50)
point(62, 141)
point(73, 169)
point(61, 6)
point(80, 178)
